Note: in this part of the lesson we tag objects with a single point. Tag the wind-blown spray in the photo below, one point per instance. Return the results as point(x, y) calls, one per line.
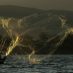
point(15, 34)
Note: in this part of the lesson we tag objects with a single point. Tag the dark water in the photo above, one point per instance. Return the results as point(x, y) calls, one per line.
point(54, 64)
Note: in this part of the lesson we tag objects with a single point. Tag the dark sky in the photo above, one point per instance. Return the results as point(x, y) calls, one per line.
point(41, 4)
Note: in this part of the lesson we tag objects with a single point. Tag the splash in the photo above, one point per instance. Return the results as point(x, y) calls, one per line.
point(13, 44)
point(14, 36)
point(66, 30)
point(63, 21)
point(14, 31)
point(33, 58)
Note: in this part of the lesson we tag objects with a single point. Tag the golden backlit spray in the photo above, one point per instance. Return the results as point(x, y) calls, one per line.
point(15, 37)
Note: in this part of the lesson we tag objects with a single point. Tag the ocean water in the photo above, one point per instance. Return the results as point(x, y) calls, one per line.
point(53, 64)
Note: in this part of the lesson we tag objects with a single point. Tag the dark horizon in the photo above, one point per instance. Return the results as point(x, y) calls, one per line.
point(41, 4)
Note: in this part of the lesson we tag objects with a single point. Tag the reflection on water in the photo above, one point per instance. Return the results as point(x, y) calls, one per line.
point(54, 64)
